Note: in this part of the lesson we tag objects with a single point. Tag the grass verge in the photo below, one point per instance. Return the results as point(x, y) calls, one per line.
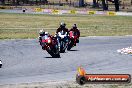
point(14, 26)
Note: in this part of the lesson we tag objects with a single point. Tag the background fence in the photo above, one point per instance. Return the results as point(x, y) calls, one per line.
point(125, 5)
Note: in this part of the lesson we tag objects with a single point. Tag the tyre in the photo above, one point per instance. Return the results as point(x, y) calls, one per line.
point(57, 53)
point(57, 56)
point(69, 47)
point(80, 80)
point(0, 65)
point(50, 52)
point(62, 50)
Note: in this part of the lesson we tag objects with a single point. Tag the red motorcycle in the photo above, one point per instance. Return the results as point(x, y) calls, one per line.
point(51, 46)
point(73, 39)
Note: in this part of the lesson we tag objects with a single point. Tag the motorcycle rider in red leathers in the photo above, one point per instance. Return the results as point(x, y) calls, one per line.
point(76, 30)
point(43, 33)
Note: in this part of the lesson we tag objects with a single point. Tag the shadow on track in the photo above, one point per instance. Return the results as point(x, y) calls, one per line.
point(73, 50)
point(52, 57)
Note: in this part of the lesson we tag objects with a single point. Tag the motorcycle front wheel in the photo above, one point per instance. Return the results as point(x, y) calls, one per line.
point(54, 55)
point(70, 45)
point(62, 49)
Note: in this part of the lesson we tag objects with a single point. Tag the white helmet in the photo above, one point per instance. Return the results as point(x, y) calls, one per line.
point(41, 31)
point(62, 24)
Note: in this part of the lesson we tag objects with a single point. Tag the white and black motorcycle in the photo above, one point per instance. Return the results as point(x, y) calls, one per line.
point(63, 41)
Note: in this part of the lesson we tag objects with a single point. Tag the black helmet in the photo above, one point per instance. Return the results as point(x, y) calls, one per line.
point(74, 26)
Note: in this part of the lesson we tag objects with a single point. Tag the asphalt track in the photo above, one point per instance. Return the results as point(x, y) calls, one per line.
point(24, 61)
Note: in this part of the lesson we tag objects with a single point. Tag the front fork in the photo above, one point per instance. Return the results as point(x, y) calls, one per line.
point(58, 42)
point(66, 40)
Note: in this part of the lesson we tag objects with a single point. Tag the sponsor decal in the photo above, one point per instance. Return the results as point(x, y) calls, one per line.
point(72, 11)
point(111, 13)
point(55, 11)
point(82, 77)
point(38, 10)
point(91, 12)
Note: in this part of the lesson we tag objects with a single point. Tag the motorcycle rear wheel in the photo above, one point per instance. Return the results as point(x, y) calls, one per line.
point(70, 46)
point(0, 65)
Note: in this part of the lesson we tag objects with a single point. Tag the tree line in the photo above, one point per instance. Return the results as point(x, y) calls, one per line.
point(17, 2)
point(95, 3)
point(105, 4)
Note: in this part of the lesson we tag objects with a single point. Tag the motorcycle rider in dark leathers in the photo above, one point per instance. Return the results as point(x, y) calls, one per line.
point(63, 28)
point(75, 30)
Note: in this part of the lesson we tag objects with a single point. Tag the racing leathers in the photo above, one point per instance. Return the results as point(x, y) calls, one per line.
point(63, 31)
point(77, 32)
